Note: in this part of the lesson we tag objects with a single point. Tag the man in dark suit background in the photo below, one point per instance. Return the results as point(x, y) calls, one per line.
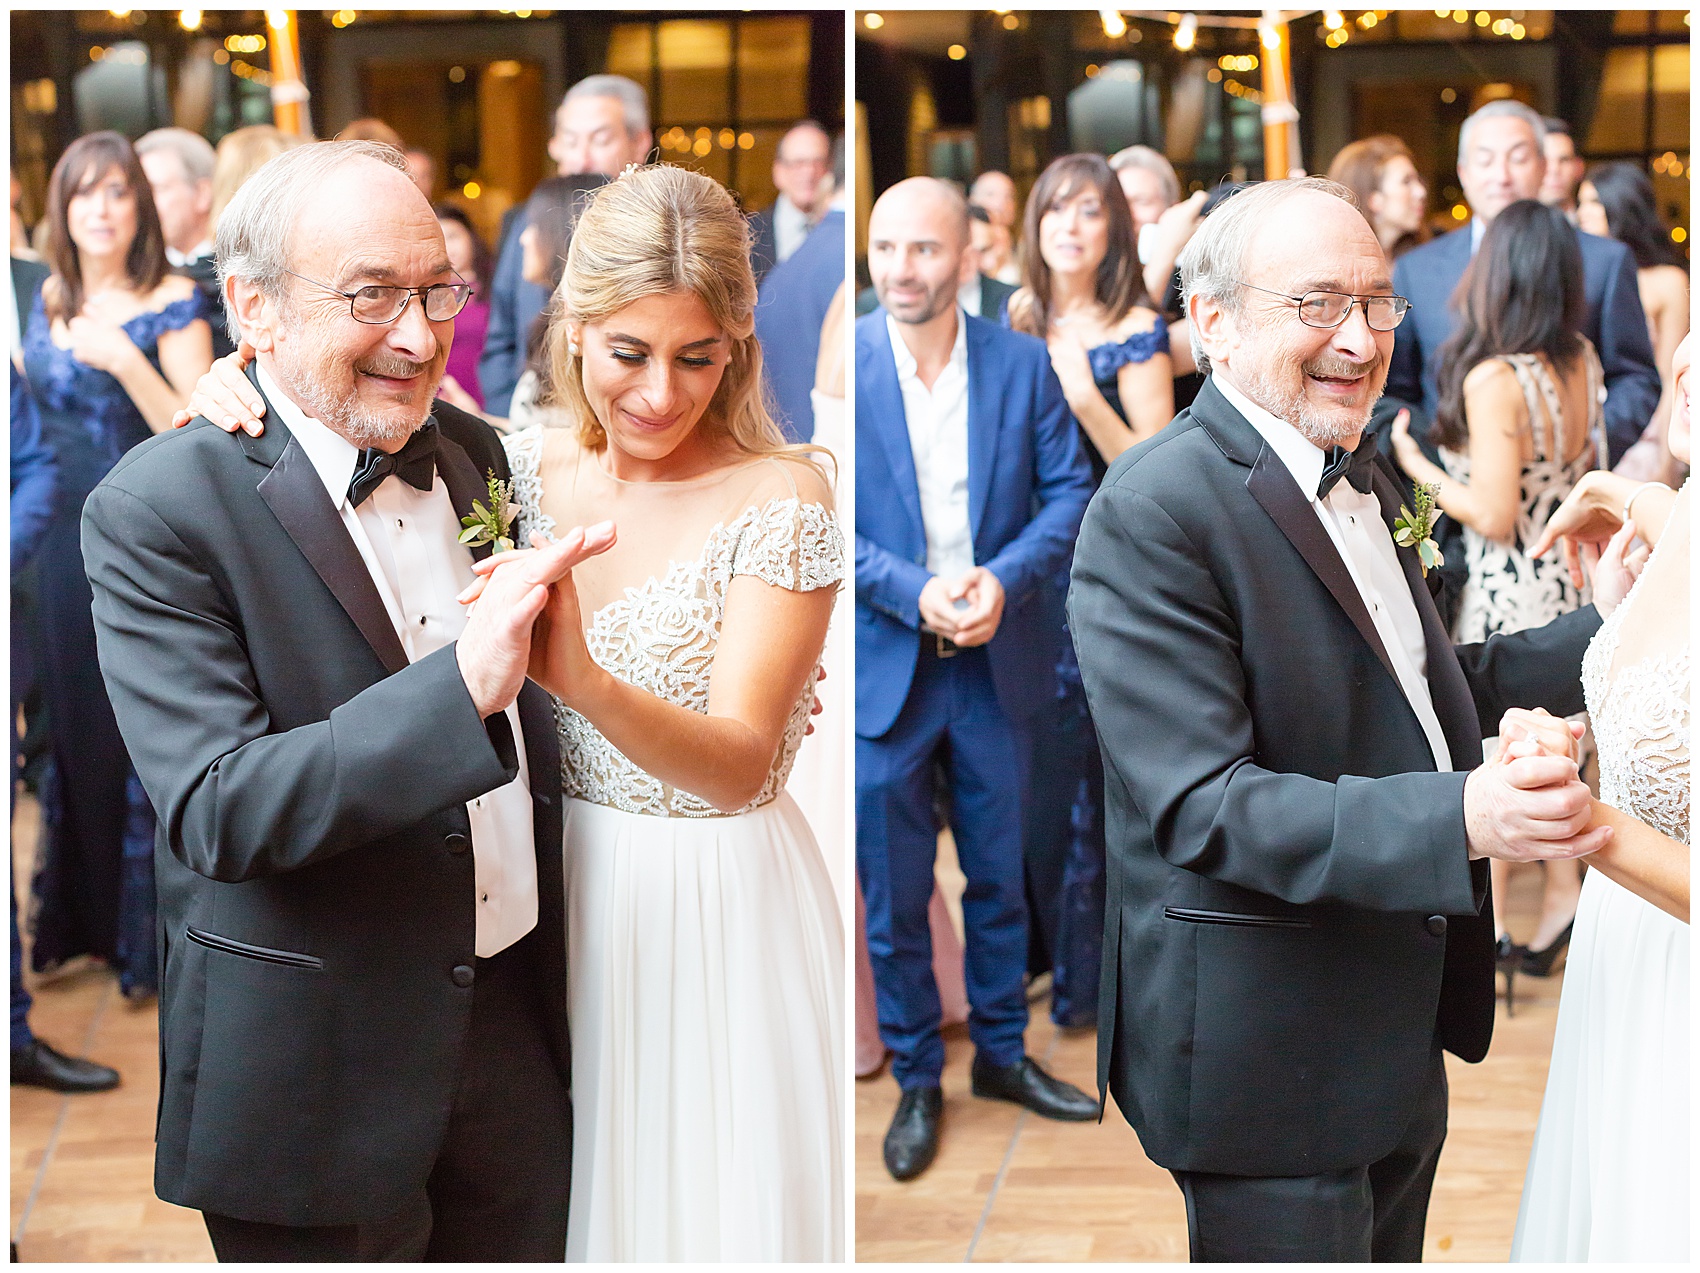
point(970, 486)
point(362, 1026)
point(179, 165)
point(1296, 807)
point(1500, 160)
point(601, 126)
point(800, 163)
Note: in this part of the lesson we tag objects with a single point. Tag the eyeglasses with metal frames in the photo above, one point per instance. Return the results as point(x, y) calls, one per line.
point(379, 303)
point(1329, 310)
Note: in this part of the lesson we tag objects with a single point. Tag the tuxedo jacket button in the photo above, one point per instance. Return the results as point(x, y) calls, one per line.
point(462, 976)
point(455, 842)
point(1436, 924)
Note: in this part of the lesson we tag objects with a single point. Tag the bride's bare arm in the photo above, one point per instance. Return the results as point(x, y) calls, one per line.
point(770, 641)
point(1650, 865)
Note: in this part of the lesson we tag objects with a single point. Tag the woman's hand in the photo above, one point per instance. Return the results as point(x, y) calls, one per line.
point(1073, 367)
point(1549, 735)
point(103, 345)
point(1615, 569)
point(226, 397)
point(1405, 448)
point(1591, 514)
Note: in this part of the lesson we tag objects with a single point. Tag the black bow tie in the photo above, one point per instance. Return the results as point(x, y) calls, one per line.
point(1357, 467)
point(415, 464)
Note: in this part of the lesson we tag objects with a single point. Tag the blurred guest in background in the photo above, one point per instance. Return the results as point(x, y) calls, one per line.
point(240, 155)
point(982, 296)
point(423, 169)
point(1616, 201)
point(370, 129)
point(1564, 168)
point(794, 302)
point(1148, 181)
point(601, 126)
point(1518, 424)
point(1082, 294)
point(551, 215)
point(470, 259)
point(801, 164)
point(1380, 171)
point(995, 192)
point(180, 166)
point(113, 346)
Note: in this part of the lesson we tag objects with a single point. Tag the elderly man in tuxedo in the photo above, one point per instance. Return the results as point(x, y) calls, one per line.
point(362, 1028)
point(1296, 814)
point(970, 486)
point(1500, 160)
point(601, 126)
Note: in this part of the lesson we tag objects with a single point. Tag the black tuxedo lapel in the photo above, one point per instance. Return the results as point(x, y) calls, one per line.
point(1448, 690)
point(465, 484)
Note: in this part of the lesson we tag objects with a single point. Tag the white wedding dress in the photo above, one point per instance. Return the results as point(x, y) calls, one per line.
point(705, 952)
point(1608, 1176)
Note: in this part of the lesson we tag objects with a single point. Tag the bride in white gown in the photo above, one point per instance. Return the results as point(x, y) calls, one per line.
point(1608, 1177)
point(705, 950)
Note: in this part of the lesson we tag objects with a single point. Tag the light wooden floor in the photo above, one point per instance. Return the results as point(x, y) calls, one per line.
point(1010, 1186)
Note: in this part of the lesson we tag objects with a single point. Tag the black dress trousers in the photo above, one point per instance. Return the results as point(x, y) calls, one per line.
point(498, 1190)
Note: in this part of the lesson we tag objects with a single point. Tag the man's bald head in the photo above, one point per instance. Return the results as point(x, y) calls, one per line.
point(925, 201)
point(918, 248)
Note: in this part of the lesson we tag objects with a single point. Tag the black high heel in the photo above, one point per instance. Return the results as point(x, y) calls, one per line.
point(1507, 958)
point(1538, 963)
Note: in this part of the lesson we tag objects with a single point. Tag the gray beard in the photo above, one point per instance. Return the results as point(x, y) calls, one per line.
point(361, 427)
point(1325, 431)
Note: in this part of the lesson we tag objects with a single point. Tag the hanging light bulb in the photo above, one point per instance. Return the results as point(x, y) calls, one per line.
point(1115, 26)
point(1333, 19)
point(1186, 34)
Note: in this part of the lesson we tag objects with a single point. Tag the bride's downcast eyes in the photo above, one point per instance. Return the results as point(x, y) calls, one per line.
point(633, 357)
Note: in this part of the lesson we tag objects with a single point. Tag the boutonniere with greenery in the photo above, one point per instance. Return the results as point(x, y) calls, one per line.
point(1414, 530)
point(491, 525)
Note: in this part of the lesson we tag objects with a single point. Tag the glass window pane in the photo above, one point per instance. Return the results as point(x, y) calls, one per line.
point(629, 51)
point(1674, 21)
point(1670, 96)
point(1620, 119)
point(712, 159)
point(773, 68)
point(696, 61)
point(1630, 22)
point(755, 167)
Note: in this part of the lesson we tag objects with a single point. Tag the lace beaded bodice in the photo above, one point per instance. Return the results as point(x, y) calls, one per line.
point(1640, 714)
point(661, 633)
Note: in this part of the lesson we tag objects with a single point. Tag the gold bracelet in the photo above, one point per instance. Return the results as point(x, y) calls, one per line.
point(1636, 494)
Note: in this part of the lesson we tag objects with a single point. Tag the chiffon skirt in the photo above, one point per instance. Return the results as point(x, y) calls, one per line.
point(706, 983)
point(1608, 1175)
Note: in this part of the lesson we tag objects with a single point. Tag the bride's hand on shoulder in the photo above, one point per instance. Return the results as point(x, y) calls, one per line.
point(225, 396)
point(1614, 569)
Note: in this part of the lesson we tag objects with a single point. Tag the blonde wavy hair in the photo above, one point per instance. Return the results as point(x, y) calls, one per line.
point(652, 231)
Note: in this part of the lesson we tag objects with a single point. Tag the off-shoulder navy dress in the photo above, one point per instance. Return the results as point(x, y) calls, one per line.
point(1064, 838)
point(94, 886)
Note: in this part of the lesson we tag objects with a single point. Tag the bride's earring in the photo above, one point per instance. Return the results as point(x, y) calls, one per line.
point(572, 348)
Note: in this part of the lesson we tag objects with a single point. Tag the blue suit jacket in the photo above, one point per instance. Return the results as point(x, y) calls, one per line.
point(790, 309)
point(514, 305)
point(1028, 486)
point(34, 475)
point(1615, 323)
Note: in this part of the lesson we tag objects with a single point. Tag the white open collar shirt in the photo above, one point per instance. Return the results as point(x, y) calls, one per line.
point(409, 540)
point(1353, 522)
point(938, 440)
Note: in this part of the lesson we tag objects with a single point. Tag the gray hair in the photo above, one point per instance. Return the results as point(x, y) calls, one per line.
point(1505, 107)
point(252, 240)
point(634, 102)
point(1152, 161)
point(1213, 261)
point(193, 151)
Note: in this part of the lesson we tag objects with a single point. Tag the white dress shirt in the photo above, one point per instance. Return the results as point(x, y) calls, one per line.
point(1353, 522)
point(179, 259)
point(791, 225)
point(409, 540)
point(938, 439)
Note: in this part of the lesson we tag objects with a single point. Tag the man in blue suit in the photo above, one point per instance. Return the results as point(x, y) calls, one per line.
point(601, 126)
point(1500, 160)
point(970, 489)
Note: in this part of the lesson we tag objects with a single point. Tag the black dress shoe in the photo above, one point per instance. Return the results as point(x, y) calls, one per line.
point(1026, 1084)
point(1538, 963)
point(42, 1065)
point(913, 1137)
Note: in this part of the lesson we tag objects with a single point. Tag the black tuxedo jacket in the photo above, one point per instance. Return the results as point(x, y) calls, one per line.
point(1292, 918)
point(313, 857)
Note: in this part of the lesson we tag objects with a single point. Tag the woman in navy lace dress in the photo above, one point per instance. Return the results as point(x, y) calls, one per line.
point(112, 347)
point(1083, 295)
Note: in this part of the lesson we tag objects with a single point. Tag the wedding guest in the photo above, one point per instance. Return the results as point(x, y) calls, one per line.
point(1617, 202)
point(470, 260)
point(368, 128)
point(982, 296)
point(422, 169)
point(801, 163)
point(240, 155)
point(1148, 181)
point(1519, 423)
point(952, 658)
point(180, 166)
point(1564, 168)
point(1381, 172)
point(995, 192)
point(1083, 296)
point(601, 126)
point(113, 346)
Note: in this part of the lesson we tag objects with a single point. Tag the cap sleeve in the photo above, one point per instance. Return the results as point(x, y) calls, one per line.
point(791, 543)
